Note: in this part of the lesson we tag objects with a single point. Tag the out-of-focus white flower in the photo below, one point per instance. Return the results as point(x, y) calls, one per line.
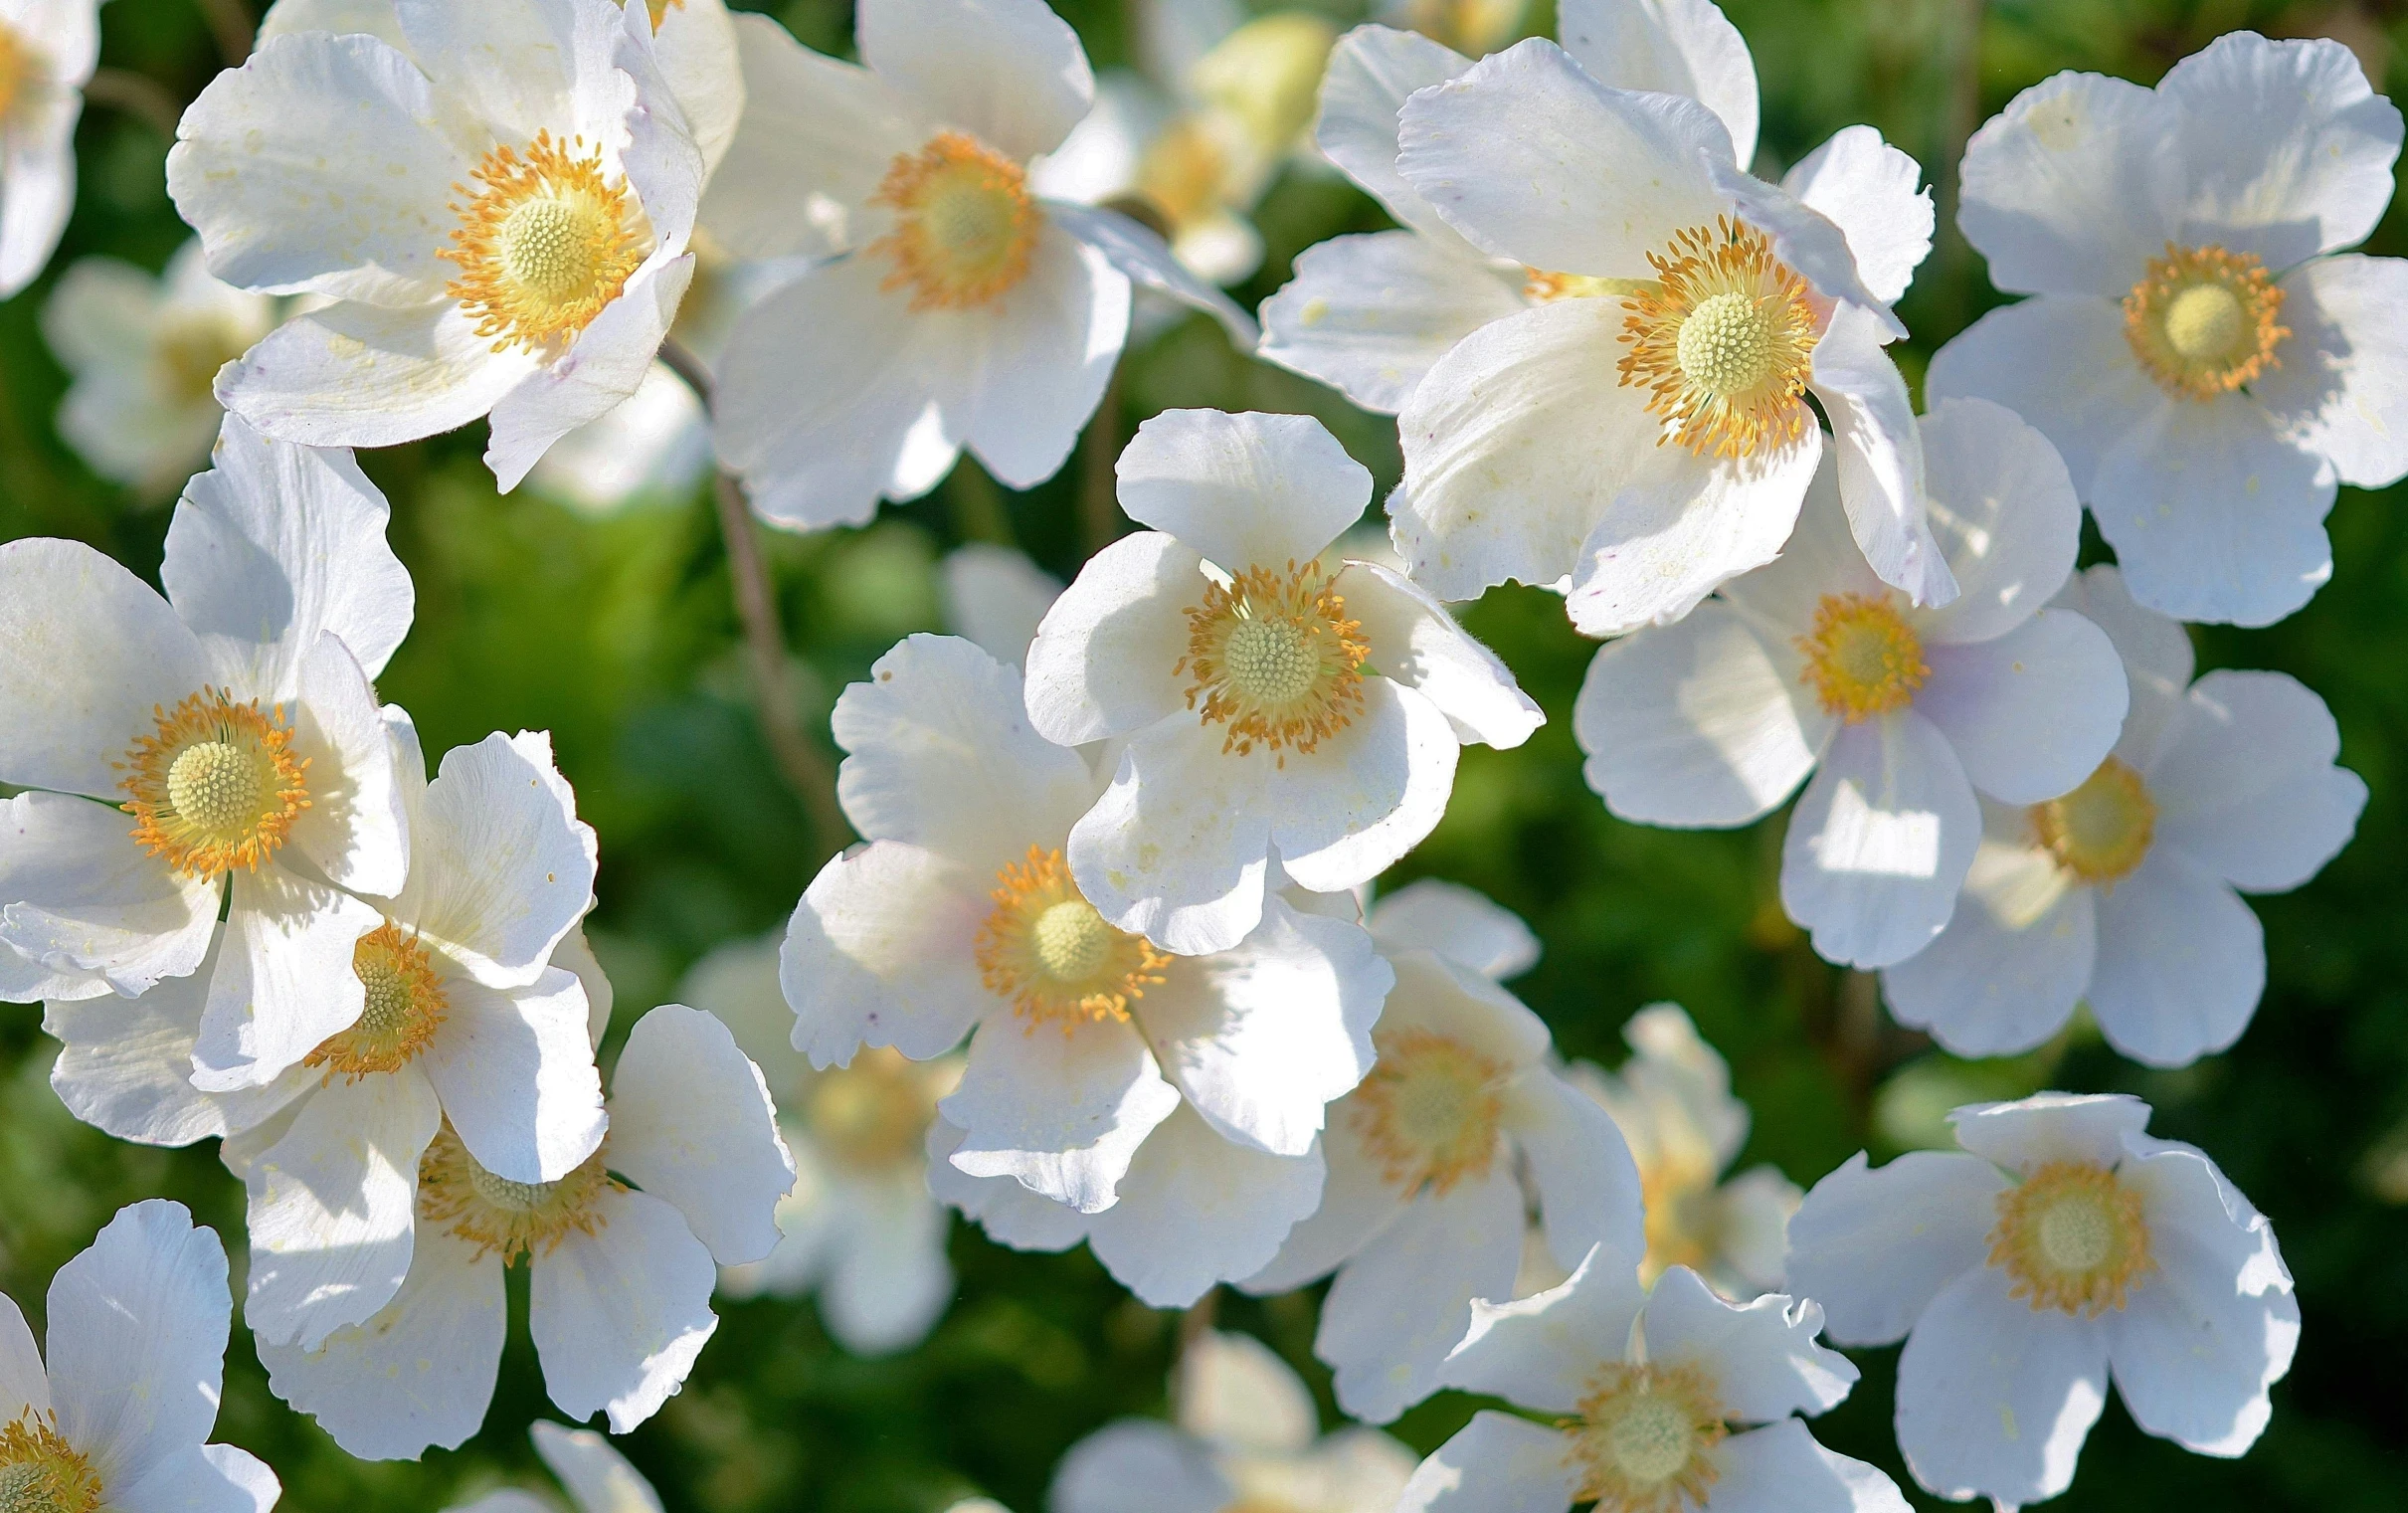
point(2206, 364)
point(1269, 706)
point(117, 1415)
point(956, 305)
point(1165, 1108)
point(227, 721)
point(995, 597)
point(1901, 713)
point(596, 1477)
point(621, 1257)
point(860, 1226)
point(2060, 1244)
point(1425, 1206)
point(467, 1029)
point(1672, 1101)
point(499, 211)
point(1462, 924)
point(1246, 1436)
point(48, 49)
point(1661, 1400)
point(2121, 892)
point(143, 352)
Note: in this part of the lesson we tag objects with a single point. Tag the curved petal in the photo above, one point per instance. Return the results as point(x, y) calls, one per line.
point(37, 158)
point(1459, 923)
point(1369, 314)
point(2181, 963)
point(1805, 240)
point(1995, 1395)
point(511, 69)
point(1140, 255)
point(1543, 1351)
point(619, 1315)
point(1874, 1249)
point(1179, 847)
point(2051, 1126)
point(1399, 1306)
point(1587, 1185)
point(1010, 71)
point(356, 829)
point(2244, 782)
point(691, 1123)
point(1762, 1353)
point(82, 902)
point(1011, 1214)
point(1046, 357)
point(514, 1068)
point(1673, 47)
point(1496, 1463)
point(126, 1067)
point(610, 361)
point(1780, 1468)
point(598, 1479)
point(285, 981)
point(2009, 519)
point(1139, 1465)
point(1347, 811)
point(202, 1479)
point(2033, 712)
point(2340, 389)
point(1869, 190)
point(1244, 491)
point(2060, 361)
point(2016, 957)
point(2074, 186)
point(1061, 1109)
point(1881, 842)
point(2156, 653)
point(1101, 664)
point(879, 952)
point(1197, 1209)
point(1416, 643)
point(890, 1281)
point(1358, 1203)
point(364, 375)
point(1882, 479)
point(1372, 72)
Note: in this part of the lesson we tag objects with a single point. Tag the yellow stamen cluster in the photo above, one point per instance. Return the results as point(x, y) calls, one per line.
point(2204, 322)
point(1724, 340)
point(1862, 658)
point(1045, 949)
point(2073, 1238)
point(874, 1115)
point(42, 1474)
point(1430, 1109)
point(1644, 1437)
point(404, 1006)
point(2102, 829)
point(516, 1219)
point(1185, 173)
point(216, 786)
point(544, 243)
point(1274, 657)
point(963, 224)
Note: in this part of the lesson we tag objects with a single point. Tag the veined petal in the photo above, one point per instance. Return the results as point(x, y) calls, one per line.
point(1875, 1248)
point(2031, 713)
point(2341, 389)
point(1370, 315)
point(356, 828)
point(1358, 1203)
point(1762, 1354)
point(605, 367)
point(1458, 923)
point(691, 1123)
point(1047, 355)
point(1417, 645)
point(202, 1479)
point(2015, 958)
point(515, 1071)
point(83, 902)
point(2005, 515)
point(2245, 781)
point(2074, 186)
point(1673, 47)
point(1344, 812)
point(2051, 1126)
point(1883, 484)
point(2062, 362)
point(1061, 1109)
point(1011, 1214)
point(1780, 1468)
point(1399, 1306)
point(1868, 189)
point(1244, 491)
point(1541, 1351)
point(364, 375)
point(2181, 963)
point(1142, 257)
point(1372, 72)
point(1496, 1463)
point(1587, 1185)
point(1995, 1395)
point(284, 982)
point(1177, 848)
point(1101, 664)
point(880, 951)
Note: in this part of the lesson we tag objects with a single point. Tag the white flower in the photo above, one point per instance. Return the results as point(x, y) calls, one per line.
point(1425, 1206)
point(860, 1226)
point(596, 1477)
point(1814, 664)
point(2208, 369)
point(1672, 1101)
point(469, 1030)
point(143, 351)
point(499, 211)
point(1247, 1436)
point(235, 719)
point(1168, 1108)
point(1459, 923)
point(1269, 705)
point(48, 49)
point(995, 597)
point(957, 307)
point(138, 1351)
point(622, 1256)
point(2121, 892)
point(655, 442)
point(2064, 1243)
point(1656, 1401)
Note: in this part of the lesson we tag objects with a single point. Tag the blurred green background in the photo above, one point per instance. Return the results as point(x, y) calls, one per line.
point(616, 633)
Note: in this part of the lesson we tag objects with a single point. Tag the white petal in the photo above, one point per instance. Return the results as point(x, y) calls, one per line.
point(285, 981)
point(88, 654)
point(23, 1384)
point(2063, 363)
point(2005, 515)
point(2156, 653)
point(1805, 240)
point(2289, 151)
point(202, 1479)
point(2342, 379)
point(941, 756)
point(1441, 997)
point(1879, 842)
point(1261, 1037)
point(1101, 661)
point(1178, 847)
point(1874, 1249)
point(137, 1340)
point(356, 829)
point(1008, 1212)
point(890, 1281)
point(1061, 1110)
point(1197, 1208)
point(1780, 1468)
point(620, 1315)
point(1399, 1305)
point(1008, 71)
point(2033, 712)
point(1531, 159)
point(126, 1067)
point(1370, 315)
point(1881, 456)
point(1587, 1185)
point(2051, 1126)
point(1496, 1463)
point(879, 952)
point(1994, 1395)
point(1244, 490)
point(1698, 723)
point(511, 69)
point(1140, 255)
point(1415, 643)
point(1235, 1391)
point(692, 1124)
point(1345, 813)
point(1674, 46)
point(2016, 957)
point(372, 18)
point(1358, 1202)
point(514, 1067)
point(1543, 1351)
point(2181, 963)
point(1762, 1353)
point(2074, 187)
point(609, 362)
point(1869, 190)
point(500, 866)
point(598, 1479)
point(332, 1206)
point(696, 48)
point(39, 162)
point(1372, 72)
point(995, 597)
point(1459, 923)
point(2245, 784)
point(419, 1374)
point(82, 903)
point(363, 375)
point(1138, 1465)
point(1047, 356)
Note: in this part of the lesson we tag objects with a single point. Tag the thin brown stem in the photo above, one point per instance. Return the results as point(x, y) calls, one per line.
point(1099, 516)
point(234, 27)
point(137, 94)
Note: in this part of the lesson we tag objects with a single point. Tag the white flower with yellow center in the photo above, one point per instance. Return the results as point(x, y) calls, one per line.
point(117, 1415)
point(1670, 1400)
point(499, 213)
point(2207, 364)
point(860, 1227)
point(1166, 1108)
point(48, 49)
point(1245, 1436)
point(595, 1476)
point(1274, 703)
point(1425, 1206)
point(222, 740)
point(468, 1024)
point(1900, 715)
point(143, 352)
point(2122, 893)
point(956, 305)
point(622, 1256)
point(2061, 1244)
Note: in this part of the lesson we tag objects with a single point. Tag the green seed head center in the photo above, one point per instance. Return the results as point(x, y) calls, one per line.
point(1072, 941)
point(2076, 1235)
point(1725, 345)
point(549, 249)
point(1271, 661)
point(513, 1196)
point(216, 788)
point(2205, 322)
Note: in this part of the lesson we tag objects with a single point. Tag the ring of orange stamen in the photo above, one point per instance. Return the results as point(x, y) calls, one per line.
point(2101, 831)
point(1430, 1109)
point(1862, 658)
point(2073, 1238)
point(494, 1213)
point(543, 243)
point(2204, 322)
point(216, 786)
point(1045, 949)
point(1274, 657)
point(1723, 341)
point(964, 223)
point(40, 1472)
point(1643, 1437)
point(404, 1006)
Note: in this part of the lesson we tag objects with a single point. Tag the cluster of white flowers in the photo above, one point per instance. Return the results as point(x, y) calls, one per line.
point(1108, 966)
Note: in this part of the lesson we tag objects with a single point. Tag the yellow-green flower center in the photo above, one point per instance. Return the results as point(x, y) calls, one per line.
point(1725, 344)
point(964, 223)
point(42, 1474)
point(217, 787)
point(1644, 1437)
point(1430, 1109)
point(497, 1213)
point(1044, 948)
point(1071, 940)
point(2073, 1238)
point(1862, 658)
point(2101, 830)
point(545, 242)
point(2203, 321)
